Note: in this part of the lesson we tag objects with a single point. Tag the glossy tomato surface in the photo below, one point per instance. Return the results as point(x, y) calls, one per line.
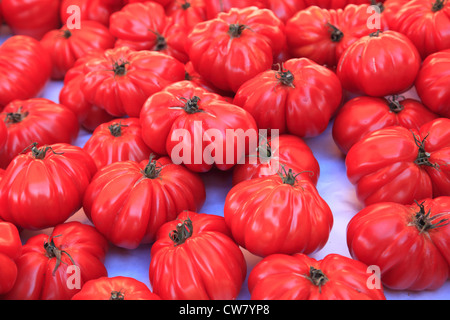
point(409, 243)
point(10, 250)
point(194, 258)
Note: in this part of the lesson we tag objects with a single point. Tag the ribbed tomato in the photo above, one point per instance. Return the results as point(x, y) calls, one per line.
point(278, 214)
point(128, 201)
point(117, 140)
point(299, 277)
point(66, 45)
point(396, 164)
point(10, 250)
point(36, 120)
point(56, 266)
point(362, 115)
point(45, 185)
point(115, 288)
point(409, 243)
point(195, 258)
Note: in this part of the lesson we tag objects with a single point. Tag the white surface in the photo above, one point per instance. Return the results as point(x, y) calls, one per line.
point(333, 186)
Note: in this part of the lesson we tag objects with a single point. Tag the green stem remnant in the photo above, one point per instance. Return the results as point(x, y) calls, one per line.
point(182, 232)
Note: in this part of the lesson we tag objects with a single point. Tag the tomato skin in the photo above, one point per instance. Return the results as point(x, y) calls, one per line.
point(287, 277)
point(411, 254)
point(66, 45)
point(424, 22)
point(41, 278)
point(432, 82)
point(319, 41)
point(301, 107)
point(31, 18)
point(215, 7)
point(36, 120)
point(390, 159)
point(25, 69)
point(289, 150)
point(3, 134)
point(40, 193)
point(379, 65)
point(362, 115)
point(168, 112)
point(93, 10)
point(10, 250)
point(115, 288)
point(117, 140)
point(128, 206)
point(208, 265)
point(267, 216)
point(120, 80)
point(227, 58)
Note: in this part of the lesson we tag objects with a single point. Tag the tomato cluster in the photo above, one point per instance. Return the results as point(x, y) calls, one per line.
point(170, 91)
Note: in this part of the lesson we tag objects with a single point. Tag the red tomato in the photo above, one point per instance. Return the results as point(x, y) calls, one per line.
point(25, 69)
point(299, 277)
point(93, 10)
point(409, 243)
point(32, 18)
point(145, 26)
point(36, 120)
point(432, 82)
point(197, 128)
point(278, 214)
point(187, 12)
point(285, 9)
point(194, 258)
point(89, 116)
point(288, 150)
point(380, 64)
point(424, 22)
point(194, 76)
point(45, 186)
point(120, 80)
point(56, 266)
point(3, 134)
point(128, 201)
point(117, 140)
point(327, 33)
point(215, 7)
point(66, 45)
point(362, 115)
point(10, 250)
point(401, 165)
point(115, 288)
point(300, 98)
point(235, 46)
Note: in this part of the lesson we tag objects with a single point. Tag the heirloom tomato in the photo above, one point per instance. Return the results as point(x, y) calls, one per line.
point(299, 277)
point(425, 22)
point(396, 164)
point(145, 26)
point(115, 288)
point(117, 140)
point(66, 45)
point(120, 80)
point(285, 9)
point(93, 10)
point(195, 258)
point(409, 243)
point(274, 152)
point(235, 46)
point(128, 201)
point(25, 69)
point(380, 64)
point(10, 250)
point(45, 185)
point(197, 128)
point(432, 82)
point(32, 18)
point(300, 98)
point(362, 115)
point(278, 214)
point(36, 119)
point(56, 266)
point(325, 34)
